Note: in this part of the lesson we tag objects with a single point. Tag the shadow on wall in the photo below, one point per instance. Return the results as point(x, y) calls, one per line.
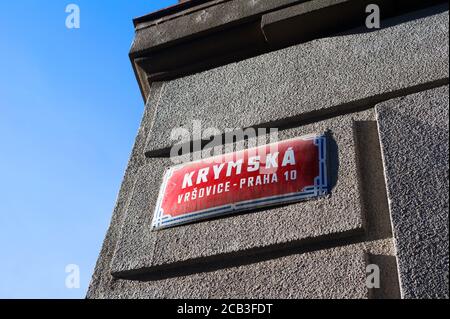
point(332, 161)
point(389, 283)
point(415, 142)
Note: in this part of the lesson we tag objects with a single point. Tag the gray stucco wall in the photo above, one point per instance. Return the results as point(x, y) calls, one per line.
point(414, 137)
point(331, 266)
point(347, 72)
point(336, 216)
point(347, 86)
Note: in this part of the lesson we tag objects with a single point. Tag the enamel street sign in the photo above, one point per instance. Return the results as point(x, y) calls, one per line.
point(284, 172)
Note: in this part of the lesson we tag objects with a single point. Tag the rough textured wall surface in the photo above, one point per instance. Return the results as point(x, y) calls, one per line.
point(332, 267)
point(343, 85)
point(309, 80)
point(336, 216)
point(414, 137)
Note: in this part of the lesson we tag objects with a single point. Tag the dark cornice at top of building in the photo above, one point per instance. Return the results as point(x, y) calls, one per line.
point(171, 12)
point(197, 35)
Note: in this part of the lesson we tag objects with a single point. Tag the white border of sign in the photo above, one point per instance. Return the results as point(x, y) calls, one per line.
point(320, 188)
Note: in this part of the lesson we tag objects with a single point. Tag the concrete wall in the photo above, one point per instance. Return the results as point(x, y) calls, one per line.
point(382, 98)
point(414, 138)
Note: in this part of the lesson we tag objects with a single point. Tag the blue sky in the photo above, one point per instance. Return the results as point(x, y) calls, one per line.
point(70, 108)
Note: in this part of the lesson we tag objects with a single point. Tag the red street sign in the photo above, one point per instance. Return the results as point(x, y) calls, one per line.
point(284, 172)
